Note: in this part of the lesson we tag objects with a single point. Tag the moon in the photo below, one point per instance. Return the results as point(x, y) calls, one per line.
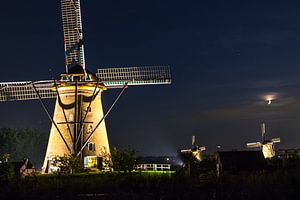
point(270, 97)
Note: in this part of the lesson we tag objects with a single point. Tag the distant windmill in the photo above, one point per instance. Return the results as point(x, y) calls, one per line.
point(78, 123)
point(267, 146)
point(195, 150)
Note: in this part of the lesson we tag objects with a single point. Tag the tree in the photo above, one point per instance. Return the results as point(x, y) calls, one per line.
point(6, 168)
point(123, 159)
point(23, 143)
point(68, 164)
point(107, 162)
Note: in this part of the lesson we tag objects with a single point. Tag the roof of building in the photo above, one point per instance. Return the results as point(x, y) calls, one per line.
point(241, 160)
point(17, 165)
point(29, 165)
point(288, 150)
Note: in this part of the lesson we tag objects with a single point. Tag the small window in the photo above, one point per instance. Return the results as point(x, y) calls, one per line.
point(91, 146)
point(90, 128)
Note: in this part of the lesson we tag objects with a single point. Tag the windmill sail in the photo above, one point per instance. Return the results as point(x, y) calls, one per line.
point(193, 140)
point(73, 36)
point(253, 144)
point(186, 150)
point(24, 90)
point(202, 148)
point(263, 131)
point(275, 140)
point(118, 77)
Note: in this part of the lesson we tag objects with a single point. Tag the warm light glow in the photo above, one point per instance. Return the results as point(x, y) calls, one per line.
point(270, 97)
point(268, 150)
point(79, 87)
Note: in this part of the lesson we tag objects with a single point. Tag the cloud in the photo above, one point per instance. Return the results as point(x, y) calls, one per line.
point(284, 109)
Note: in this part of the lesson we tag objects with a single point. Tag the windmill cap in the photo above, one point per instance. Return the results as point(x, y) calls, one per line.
point(76, 69)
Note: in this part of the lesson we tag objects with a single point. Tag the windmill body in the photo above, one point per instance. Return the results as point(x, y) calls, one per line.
point(268, 150)
point(77, 110)
point(267, 146)
point(78, 123)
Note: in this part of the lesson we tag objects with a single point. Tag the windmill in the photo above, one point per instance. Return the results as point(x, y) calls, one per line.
point(196, 151)
point(78, 123)
point(267, 146)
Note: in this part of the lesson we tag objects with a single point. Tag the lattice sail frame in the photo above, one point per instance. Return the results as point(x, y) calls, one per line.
point(73, 35)
point(74, 54)
point(110, 77)
point(148, 75)
point(24, 90)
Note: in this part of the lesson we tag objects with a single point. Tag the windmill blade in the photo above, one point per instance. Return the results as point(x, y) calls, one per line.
point(150, 75)
point(254, 145)
point(275, 140)
point(263, 130)
point(73, 36)
point(193, 140)
point(23, 90)
point(202, 148)
point(186, 150)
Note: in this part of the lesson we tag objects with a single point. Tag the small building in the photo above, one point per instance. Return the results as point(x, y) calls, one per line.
point(234, 162)
point(23, 168)
point(288, 153)
point(159, 163)
point(153, 167)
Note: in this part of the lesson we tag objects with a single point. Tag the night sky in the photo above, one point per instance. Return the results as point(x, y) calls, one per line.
point(225, 56)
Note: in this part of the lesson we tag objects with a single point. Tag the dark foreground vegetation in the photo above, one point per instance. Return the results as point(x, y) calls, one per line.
point(270, 184)
point(279, 180)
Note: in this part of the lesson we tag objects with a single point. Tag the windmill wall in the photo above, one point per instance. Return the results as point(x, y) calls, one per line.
point(56, 145)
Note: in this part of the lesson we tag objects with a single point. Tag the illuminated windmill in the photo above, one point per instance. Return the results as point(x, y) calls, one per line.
point(196, 151)
point(267, 146)
point(78, 122)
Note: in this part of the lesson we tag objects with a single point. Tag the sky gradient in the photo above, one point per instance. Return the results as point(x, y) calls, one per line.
point(225, 56)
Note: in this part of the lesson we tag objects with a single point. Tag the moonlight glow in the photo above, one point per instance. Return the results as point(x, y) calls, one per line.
point(270, 97)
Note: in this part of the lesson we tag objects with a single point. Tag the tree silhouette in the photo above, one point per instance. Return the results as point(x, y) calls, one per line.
point(23, 143)
point(124, 160)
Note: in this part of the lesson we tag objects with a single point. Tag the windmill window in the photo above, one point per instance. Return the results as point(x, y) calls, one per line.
point(91, 146)
point(90, 128)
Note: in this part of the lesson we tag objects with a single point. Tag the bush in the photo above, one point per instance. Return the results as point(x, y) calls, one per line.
point(123, 159)
point(68, 164)
point(6, 168)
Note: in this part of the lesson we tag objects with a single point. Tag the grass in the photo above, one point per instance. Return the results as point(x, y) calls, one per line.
point(279, 184)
